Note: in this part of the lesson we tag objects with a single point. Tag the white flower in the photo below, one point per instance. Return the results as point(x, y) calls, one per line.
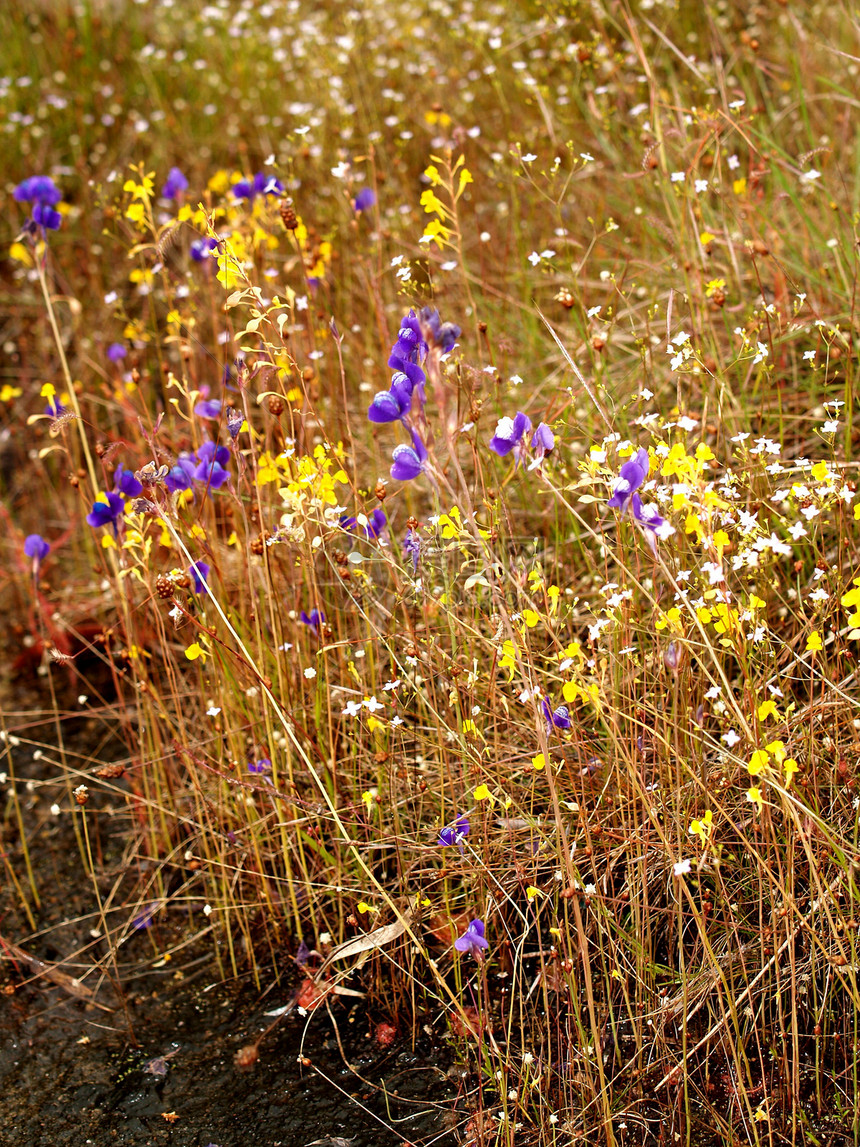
point(797, 531)
point(731, 738)
point(734, 163)
point(701, 185)
point(310, 674)
point(679, 176)
point(212, 711)
point(681, 868)
point(534, 258)
point(529, 158)
point(810, 176)
point(372, 705)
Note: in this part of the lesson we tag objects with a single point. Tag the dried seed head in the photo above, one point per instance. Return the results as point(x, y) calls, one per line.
point(276, 405)
point(288, 214)
point(81, 795)
point(380, 490)
point(164, 587)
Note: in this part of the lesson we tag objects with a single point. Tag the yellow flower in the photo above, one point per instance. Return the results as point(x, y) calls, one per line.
point(703, 828)
point(814, 643)
point(482, 793)
point(530, 618)
point(364, 907)
point(539, 762)
point(194, 651)
point(758, 761)
point(754, 797)
point(532, 892)
point(791, 766)
point(767, 709)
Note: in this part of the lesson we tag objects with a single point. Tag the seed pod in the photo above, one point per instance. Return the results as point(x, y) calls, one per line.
point(275, 404)
point(164, 587)
point(81, 795)
point(288, 214)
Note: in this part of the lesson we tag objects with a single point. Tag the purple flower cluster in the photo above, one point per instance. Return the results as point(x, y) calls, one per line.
point(418, 334)
point(44, 195)
point(625, 495)
point(201, 249)
point(511, 434)
point(370, 529)
point(174, 185)
point(208, 465)
point(260, 184)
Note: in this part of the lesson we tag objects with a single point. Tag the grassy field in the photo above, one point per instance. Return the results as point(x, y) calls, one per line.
point(426, 440)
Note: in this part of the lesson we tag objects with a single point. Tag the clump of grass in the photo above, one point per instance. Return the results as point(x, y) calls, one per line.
point(577, 758)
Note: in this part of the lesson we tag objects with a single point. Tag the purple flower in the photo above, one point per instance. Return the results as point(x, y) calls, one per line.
point(37, 548)
point(181, 475)
point(200, 573)
point(46, 217)
point(558, 718)
point(201, 249)
point(386, 407)
point(212, 460)
point(372, 528)
point(106, 513)
point(364, 200)
point(408, 461)
point(543, 440)
point(473, 940)
point(55, 408)
point(126, 483)
point(235, 422)
point(435, 332)
point(313, 620)
point(649, 521)
point(208, 408)
point(412, 546)
point(175, 183)
point(509, 434)
point(302, 955)
point(261, 184)
point(261, 767)
point(145, 917)
point(116, 352)
point(455, 833)
point(630, 477)
point(38, 189)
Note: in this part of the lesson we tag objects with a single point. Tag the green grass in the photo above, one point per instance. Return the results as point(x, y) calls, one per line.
point(674, 269)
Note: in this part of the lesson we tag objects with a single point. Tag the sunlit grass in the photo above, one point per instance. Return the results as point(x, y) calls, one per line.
point(644, 225)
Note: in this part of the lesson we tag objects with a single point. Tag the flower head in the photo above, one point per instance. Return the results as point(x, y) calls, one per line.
point(473, 940)
point(174, 183)
point(261, 767)
point(126, 483)
point(630, 477)
point(208, 408)
point(181, 475)
point(365, 199)
point(200, 574)
point(556, 718)
point(261, 184)
point(435, 332)
point(46, 217)
point(412, 546)
point(371, 526)
point(455, 833)
point(649, 521)
point(201, 249)
point(212, 460)
point(408, 461)
point(313, 620)
point(37, 548)
point(38, 189)
point(106, 511)
point(509, 434)
point(116, 352)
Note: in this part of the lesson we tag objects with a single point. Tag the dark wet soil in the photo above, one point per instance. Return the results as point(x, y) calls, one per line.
point(156, 1063)
point(67, 1078)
